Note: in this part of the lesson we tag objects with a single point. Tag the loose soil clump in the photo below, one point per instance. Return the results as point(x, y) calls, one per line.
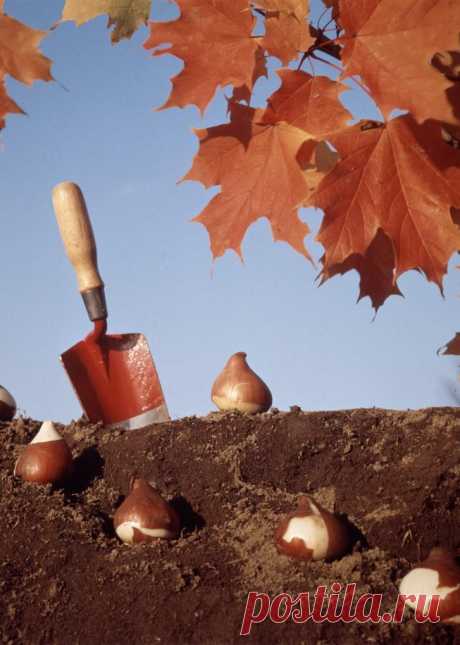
point(66, 578)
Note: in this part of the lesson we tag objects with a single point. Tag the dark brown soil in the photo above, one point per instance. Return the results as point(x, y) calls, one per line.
point(66, 579)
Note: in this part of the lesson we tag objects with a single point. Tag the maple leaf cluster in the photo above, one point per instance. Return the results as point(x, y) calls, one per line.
point(388, 189)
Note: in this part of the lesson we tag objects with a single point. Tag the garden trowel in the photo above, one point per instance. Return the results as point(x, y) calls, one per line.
point(113, 376)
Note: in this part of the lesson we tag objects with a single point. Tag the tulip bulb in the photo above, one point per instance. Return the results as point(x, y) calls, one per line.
point(312, 533)
point(7, 405)
point(438, 575)
point(145, 515)
point(46, 459)
point(239, 388)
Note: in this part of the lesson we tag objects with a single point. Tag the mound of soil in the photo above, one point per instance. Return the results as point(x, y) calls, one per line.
point(65, 578)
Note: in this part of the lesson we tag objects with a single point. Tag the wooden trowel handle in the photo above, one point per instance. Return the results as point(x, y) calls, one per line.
point(77, 234)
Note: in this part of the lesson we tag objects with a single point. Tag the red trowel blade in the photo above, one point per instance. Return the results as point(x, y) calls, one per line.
point(116, 381)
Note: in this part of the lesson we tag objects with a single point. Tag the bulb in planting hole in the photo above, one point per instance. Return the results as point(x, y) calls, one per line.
point(438, 575)
point(46, 459)
point(239, 388)
point(145, 516)
point(7, 405)
point(312, 533)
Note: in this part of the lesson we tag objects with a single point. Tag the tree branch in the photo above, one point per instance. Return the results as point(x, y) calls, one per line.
point(324, 43)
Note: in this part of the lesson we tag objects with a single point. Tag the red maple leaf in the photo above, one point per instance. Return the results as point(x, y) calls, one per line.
point(19, 58)
point(376, 270)
point(261, 170)
point(268, 162)
point(286, 28)
point(401, 177)
point(391, 43)
point(308, 102)
point(214, 41)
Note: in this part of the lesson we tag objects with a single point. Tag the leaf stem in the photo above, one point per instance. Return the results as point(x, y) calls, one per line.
point(322, 42)
point(305, 55)
point(320, 18)
point(259, 11)
point(327, 62)
point(339, 69)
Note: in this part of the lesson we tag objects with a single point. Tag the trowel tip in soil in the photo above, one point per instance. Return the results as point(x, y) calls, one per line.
point(116, 381)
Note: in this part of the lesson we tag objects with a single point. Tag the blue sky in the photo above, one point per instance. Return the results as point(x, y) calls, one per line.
point(96, 125)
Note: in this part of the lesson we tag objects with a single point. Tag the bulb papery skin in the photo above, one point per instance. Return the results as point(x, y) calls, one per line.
point(438, 575)
point(312, 533)
point(239, 388)
point(425, 582)
point(127, 531)
point(233, 402)
point(47, 459)
point(47, 433)
point(7, 405)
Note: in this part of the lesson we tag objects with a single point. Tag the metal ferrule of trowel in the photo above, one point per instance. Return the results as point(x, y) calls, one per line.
point(113, 375)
